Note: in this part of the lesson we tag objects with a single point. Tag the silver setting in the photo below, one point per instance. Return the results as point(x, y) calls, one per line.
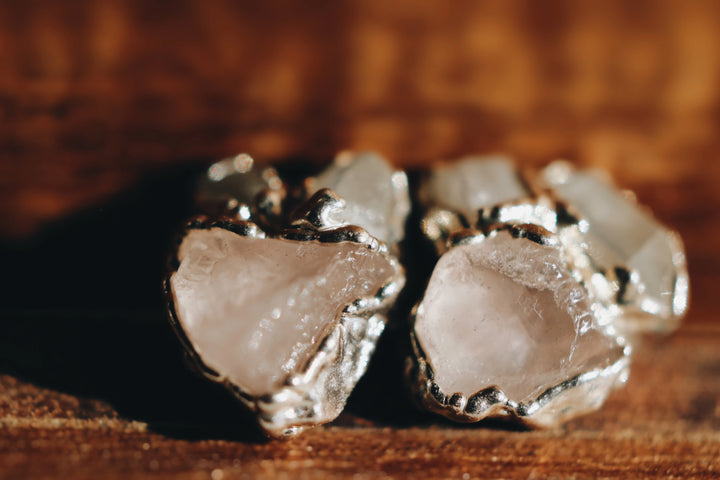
point(552, 406)
point(316, 392)
point(399, 204)
point(615, 291)
point(233, 187)
point(608, 272)
point(443, 220)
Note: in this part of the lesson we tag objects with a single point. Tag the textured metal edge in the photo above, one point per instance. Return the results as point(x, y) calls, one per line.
point(441, 226)
point(399, 185)
point(265, 208)
point(296, 405)
point(491, 401)
point(638, 313)
point(532, 207)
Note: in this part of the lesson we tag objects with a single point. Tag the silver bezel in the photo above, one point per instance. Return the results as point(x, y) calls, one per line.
point(317, 390)
point(399, 185)
point(638, 311)
point(491, 401)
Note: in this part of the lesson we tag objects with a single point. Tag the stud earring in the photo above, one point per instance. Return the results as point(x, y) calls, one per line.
point(283, 299)
point(526, 313)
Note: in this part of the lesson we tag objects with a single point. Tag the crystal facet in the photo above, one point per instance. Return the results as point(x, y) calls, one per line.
point(375, 196)
point(255, 309)
point(506, 312)
point(473, 183)
point(621, 234)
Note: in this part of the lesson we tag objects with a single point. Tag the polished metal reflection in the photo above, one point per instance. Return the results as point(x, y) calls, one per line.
point(623, 238)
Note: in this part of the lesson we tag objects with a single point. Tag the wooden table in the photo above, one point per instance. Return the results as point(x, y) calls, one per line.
point(109, 108)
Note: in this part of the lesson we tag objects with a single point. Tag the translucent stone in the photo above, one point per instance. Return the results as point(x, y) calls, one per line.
point(473, 183)
point(505, 312)
point(376, 197)
point(622, 234)
point(255, 309)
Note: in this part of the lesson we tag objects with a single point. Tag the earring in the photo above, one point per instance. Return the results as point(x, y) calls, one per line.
point(538, 290)
point(281, 295)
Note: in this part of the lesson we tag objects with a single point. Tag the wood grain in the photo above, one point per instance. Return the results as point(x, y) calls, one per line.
point(109, 108)
point(665, 423)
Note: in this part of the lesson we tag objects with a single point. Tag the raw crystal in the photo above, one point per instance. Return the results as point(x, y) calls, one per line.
point(621, 234)
point(376, 197)
point(255, 309)
point(473, 183)
point(506, 312)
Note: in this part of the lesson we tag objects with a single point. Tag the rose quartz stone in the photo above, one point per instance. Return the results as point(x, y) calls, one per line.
point(256, 309)
point(507, 313)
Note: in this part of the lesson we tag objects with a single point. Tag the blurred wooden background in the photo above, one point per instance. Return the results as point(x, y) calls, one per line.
point(108, 109)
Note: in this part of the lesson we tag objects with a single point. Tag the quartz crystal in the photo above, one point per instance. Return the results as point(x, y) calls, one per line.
point(506, 312)
point(280, 290)
point(532, 303)
point(473, 183)
point(255, 309)
point(376, 197)
point(620, 233)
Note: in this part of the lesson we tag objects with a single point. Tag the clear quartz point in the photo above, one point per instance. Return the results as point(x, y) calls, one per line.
point(473, 183)
point(620, 233)
point(376, 197)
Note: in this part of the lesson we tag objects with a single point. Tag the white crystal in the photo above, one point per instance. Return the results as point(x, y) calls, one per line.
point(621, 234)
point(255, 309)
point(505, 312)
point(473, 183)
point(376, 197)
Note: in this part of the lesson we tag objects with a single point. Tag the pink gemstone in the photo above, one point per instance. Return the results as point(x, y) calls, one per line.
point(507, 313)
point(255, 309)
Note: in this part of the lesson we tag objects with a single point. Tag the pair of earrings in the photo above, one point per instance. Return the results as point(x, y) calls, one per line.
point(282, 291)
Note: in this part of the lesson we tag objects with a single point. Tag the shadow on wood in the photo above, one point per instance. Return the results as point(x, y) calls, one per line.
point(83, 314)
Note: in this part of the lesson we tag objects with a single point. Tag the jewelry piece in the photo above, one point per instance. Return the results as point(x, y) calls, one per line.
point(519, 318)
point(376, 196)
point(619, 234)
point(286, 315)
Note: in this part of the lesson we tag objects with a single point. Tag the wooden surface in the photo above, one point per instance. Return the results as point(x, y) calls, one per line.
point(109, 108)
